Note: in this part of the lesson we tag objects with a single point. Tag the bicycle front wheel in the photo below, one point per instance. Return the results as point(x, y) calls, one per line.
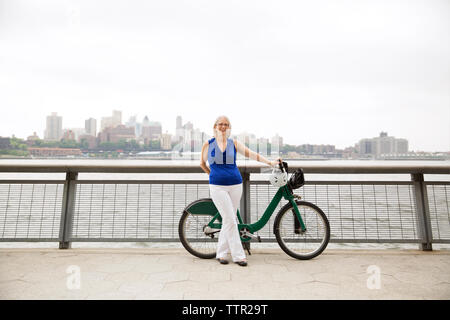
point(302, 245)
point(192, 227)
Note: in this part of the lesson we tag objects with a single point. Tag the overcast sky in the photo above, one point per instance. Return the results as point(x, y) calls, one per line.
point(319, 72)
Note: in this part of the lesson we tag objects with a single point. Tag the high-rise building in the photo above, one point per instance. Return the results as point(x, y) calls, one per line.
point(248, 139)
point(145, 122)
point(117, 117)
point(276, 145)
point(111, 122)
point(166, 141)
point(145, 130)
point(263, 145)
point(401, 146)
point(68, 134)
point(116, 134)
point(198, 138)
point(151, 130)
point(90, 127)
point(179, 130)
point(382, 145)
point(155, 129)
point(132, 123)
point(73, 133)
point(53, 129)
point(366, 147)
point(188, 126)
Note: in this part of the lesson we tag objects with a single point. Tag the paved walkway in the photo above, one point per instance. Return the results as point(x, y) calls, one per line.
point(175, 274)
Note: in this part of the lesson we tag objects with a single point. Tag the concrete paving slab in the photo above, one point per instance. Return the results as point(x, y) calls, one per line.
point(174, 274)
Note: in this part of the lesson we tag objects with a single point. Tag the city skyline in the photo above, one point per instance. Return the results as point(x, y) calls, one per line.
point(178, 120)
point(313, 72)
point(147, 138)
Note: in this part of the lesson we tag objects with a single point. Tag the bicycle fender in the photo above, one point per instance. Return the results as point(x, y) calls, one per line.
point(203, 207)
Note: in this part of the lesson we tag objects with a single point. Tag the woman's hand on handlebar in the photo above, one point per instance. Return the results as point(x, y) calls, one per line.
point(275, 164)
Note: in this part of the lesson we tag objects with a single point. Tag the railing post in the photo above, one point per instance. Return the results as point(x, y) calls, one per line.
point(67, 210)
point(423, 212)
point(245, 202)
point(245, 199)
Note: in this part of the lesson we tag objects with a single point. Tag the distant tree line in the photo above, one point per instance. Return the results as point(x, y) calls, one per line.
point(18, 147)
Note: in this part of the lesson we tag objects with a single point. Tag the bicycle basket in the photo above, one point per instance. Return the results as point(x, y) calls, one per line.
point(297, 179)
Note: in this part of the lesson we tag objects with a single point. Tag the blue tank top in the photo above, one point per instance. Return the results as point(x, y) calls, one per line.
point(224, 170)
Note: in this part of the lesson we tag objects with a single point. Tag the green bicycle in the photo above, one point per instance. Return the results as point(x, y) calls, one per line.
point(301, 228)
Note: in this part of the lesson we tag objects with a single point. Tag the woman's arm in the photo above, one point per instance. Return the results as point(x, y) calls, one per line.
point(242, 149)
point(204, 157)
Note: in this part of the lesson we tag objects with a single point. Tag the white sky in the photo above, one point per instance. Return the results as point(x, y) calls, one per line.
point(319, 72)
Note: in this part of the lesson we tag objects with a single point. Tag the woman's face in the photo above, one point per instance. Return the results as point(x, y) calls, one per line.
point(222, 126)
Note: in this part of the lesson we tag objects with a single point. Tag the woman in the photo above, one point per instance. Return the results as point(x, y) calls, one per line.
point(225, 185)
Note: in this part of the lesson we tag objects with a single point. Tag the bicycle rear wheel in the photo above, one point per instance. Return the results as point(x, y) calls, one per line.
point(302, 245)
point(191, 229)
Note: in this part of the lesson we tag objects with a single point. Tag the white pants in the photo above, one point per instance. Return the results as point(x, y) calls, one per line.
point(227, 199)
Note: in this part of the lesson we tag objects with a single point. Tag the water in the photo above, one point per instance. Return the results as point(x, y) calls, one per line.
point(265, 171)
point(263, 176)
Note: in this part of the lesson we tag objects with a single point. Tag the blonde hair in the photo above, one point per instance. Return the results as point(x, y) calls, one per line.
point(215, 125)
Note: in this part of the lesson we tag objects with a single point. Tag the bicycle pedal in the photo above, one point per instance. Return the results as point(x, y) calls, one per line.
point(253, 236)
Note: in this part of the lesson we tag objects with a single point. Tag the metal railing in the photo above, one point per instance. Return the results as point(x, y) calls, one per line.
point(73, 210)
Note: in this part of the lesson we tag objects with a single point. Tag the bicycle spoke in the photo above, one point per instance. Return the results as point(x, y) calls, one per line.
point(303, 245)
point(194, 238)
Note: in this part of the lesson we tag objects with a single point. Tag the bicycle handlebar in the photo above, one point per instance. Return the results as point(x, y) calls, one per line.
point(283, 166)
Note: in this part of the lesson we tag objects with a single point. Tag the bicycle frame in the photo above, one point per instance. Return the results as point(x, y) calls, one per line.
point(283, 192)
